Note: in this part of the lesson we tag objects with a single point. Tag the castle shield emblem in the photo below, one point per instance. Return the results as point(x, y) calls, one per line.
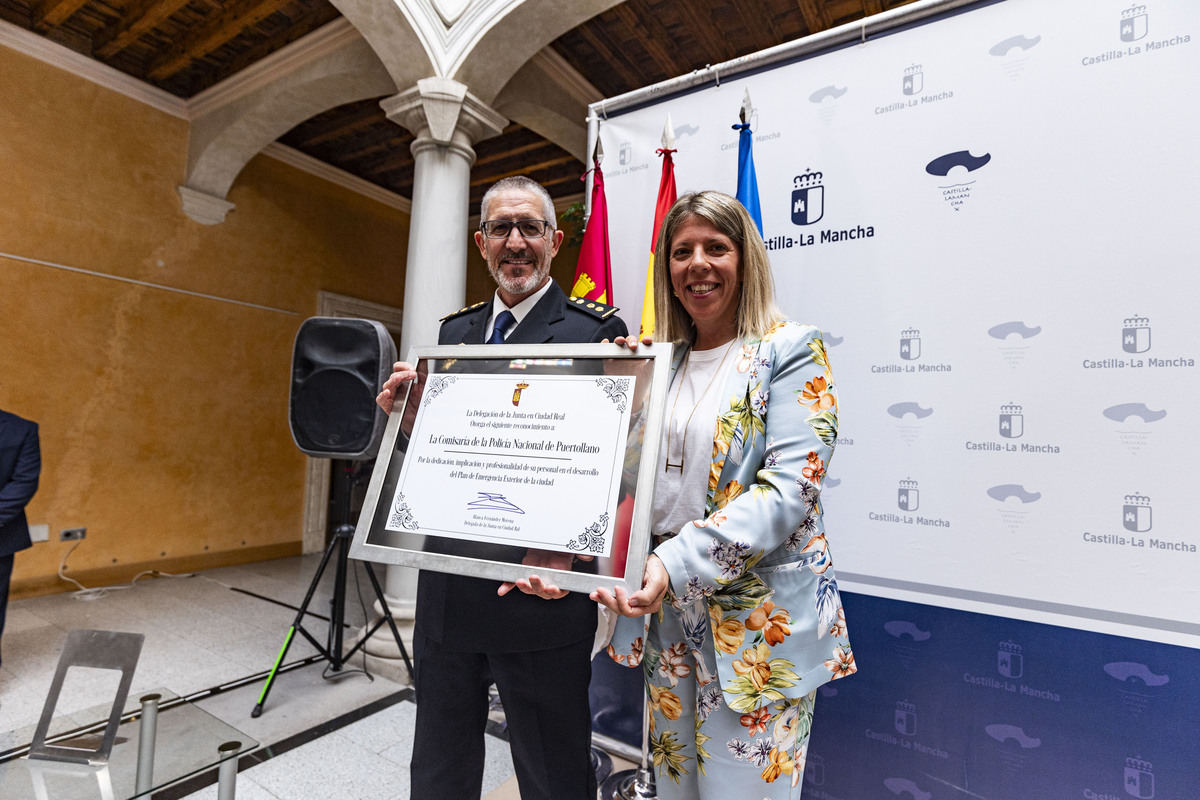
point(1135, 336)
point(908, 497)
point(1134, 24)
point(910, 345)
point(1137, 514)
point(906, 718)
point(808, 198)
point(1139, 779)
point(1012, 422)
point(1009, 661)
point(914, 80)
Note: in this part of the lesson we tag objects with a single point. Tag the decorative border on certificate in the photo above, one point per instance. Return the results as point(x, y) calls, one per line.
point(506, 455)
point(489, 447)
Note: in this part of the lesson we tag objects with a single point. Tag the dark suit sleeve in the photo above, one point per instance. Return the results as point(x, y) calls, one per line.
point(611, 328)
point(16, 493)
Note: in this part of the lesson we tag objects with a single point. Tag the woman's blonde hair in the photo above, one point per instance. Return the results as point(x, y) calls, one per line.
point(756, 312)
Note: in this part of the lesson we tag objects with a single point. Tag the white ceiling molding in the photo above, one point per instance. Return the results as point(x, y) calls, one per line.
point(320, 169)
point(449, 43)
point(81, 66)
point(282, 62)
point(450, 10)
point(566, 76)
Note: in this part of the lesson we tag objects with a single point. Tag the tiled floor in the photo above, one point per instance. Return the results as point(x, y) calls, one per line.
point(217, 628)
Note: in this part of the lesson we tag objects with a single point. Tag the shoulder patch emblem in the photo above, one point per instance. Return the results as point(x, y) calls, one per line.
point(593, 307)
point(462, 311)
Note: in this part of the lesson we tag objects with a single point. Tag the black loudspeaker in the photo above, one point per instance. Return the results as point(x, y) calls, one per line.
point(338, 366)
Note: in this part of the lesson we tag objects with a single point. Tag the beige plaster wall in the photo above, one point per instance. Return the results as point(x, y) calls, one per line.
point(163, 413)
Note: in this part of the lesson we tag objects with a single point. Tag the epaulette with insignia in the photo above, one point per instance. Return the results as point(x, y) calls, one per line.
point(593, 307)
point(462, 311)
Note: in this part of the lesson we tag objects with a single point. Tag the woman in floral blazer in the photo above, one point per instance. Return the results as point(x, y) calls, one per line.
point(753, 621)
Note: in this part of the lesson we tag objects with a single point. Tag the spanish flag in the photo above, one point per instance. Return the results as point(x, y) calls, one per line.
point(593, 273)
point(666, 199)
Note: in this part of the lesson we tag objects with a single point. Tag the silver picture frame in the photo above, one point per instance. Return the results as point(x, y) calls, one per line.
point(384, 535)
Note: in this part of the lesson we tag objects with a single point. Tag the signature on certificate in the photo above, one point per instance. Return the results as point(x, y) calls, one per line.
point(494, 501)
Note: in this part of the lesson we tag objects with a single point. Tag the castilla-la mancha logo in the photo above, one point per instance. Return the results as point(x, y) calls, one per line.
point(914, 80)
point(908, 497)
point(1134, 23)
point(517, 393)
point(1135, 336)
point(1009, 661)
point(910, 344)
point(808, 198)
point(1012, 421)
point(906, 718)
point(1139, 778)
point(1137, 515)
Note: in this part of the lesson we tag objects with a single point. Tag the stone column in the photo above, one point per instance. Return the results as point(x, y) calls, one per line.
point(447, 121)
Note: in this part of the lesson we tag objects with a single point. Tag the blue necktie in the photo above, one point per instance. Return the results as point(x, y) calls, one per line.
point(503, 320)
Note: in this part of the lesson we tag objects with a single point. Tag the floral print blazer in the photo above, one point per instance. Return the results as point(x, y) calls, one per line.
point(754, 580)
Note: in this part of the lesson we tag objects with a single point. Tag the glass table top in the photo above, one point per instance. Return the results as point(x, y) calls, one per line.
point(187, 742)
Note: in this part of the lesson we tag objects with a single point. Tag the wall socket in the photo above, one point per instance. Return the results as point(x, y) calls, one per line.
point(72, 534)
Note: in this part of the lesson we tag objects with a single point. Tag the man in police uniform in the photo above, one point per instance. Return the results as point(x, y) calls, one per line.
point(535, 644)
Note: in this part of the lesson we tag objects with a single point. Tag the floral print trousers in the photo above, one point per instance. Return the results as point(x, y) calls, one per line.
point(703, 750)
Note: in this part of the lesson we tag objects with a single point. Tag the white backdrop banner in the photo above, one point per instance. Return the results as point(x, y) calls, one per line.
point(993, 218)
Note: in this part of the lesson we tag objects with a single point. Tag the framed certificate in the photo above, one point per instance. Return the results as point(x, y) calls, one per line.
point(505, 461)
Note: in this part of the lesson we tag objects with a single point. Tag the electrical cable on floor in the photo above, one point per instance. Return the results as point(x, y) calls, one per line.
point(85, 593)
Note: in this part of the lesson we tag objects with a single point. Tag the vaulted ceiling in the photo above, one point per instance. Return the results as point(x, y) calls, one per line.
point(187, 46)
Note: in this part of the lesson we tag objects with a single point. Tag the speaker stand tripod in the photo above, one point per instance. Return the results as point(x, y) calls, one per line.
point(332, 651)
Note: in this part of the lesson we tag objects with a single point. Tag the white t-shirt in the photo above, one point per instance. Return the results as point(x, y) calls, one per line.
point(692, 408)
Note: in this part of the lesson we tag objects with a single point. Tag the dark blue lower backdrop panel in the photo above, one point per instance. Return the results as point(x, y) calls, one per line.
point(950, 704)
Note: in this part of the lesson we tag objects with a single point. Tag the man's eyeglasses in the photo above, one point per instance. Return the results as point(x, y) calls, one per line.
point(502, 228)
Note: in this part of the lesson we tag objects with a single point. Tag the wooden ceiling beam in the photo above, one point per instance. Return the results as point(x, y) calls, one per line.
point(342, 121)
point(500, 155)
point(871, 7)
point(236, 19)
point(53, 13)
point(756, 16)
point(527, 170)
point(300, 25)
point(138, 19)
point(814, 15)
point(616, 60)
point(652, 36)
point(715, 47)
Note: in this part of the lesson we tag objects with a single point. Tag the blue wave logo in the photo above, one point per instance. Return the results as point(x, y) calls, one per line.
point(905, 786)
point(1022, 42)
point(1006, 329)
point(899, 410)
point(1002, 733)
point(1007, 490)
point(827, 91)
point(942, 165)
point(834, 341)
point(1131, 671)
point(1122, 412)
point(686, 130)
point(899, 628)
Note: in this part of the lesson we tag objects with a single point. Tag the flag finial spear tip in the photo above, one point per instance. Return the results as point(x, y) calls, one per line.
point(598, 152)
point(668, 136)
point(747, 108)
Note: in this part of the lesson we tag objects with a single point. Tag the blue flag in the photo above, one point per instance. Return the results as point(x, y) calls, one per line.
point(747, 181)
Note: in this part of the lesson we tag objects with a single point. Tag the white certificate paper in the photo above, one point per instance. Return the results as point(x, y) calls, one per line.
point(531, 461)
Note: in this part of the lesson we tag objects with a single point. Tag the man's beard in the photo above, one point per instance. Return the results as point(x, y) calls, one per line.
point(524, 285)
